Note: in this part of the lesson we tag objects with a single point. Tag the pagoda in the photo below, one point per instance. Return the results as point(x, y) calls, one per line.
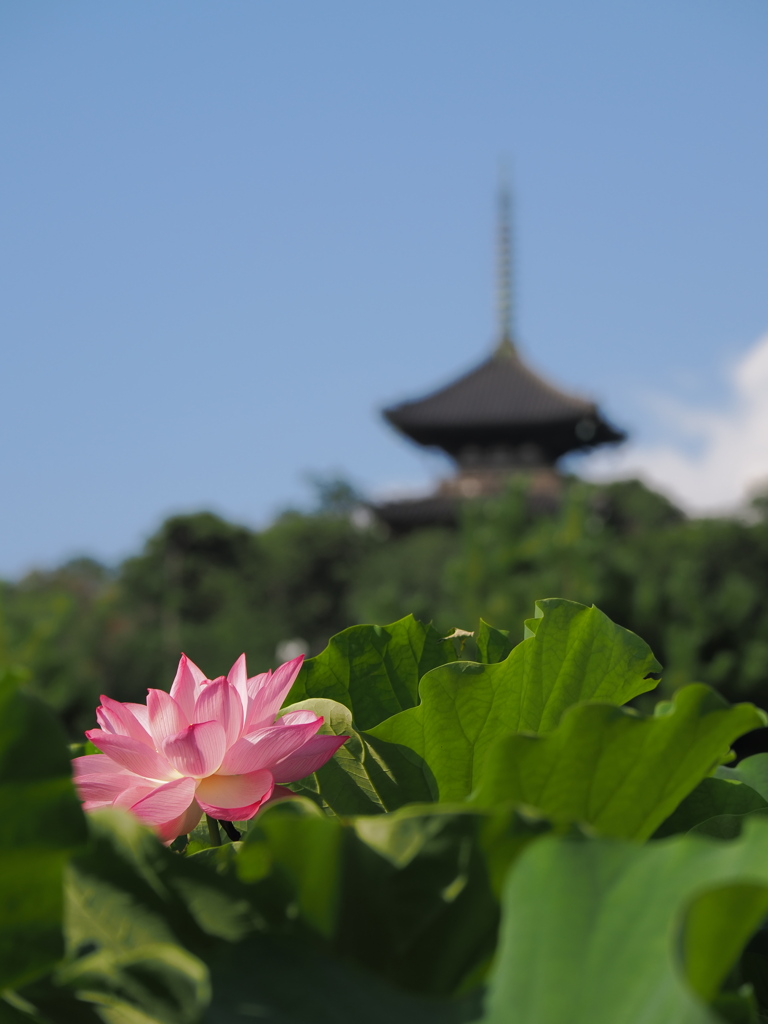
point(499, 419)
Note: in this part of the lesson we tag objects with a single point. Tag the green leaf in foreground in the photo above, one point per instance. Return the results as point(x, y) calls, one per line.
point(286, 981)
point(720, 806)
point(752, 772)
point(126, 890)
point(161, 982)
point(409, 896)
point(493, 645)
point(42, 824)
point(618, 771)
point(365, 776)
point(374, 670)
point(580, 655)
point(140, 924)
point(575, 654)
point(591, 930)
point(713, 799)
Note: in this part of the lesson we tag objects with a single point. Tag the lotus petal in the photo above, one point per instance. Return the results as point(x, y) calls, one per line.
point(100, 780)
point(121, 719)
point(197, 750)
point(267, 747)
point(298, 718)
point(238, 677)
point(220, 702)
point(186, 685)
point(180, 826)
point(234, 797)
point(308, 758)
point(267, 695)
point(132, 754)
point(166, 717)
point(133, 794)
point(166, 802)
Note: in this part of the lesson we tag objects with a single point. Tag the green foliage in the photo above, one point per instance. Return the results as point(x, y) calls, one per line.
point(574, 653)
point(493, 645)
point(419, 874)
point(58, 625)
point(42, 824)
point(215, 590)
point(713, 804)
point(620, 772)
point(374, 670)
point(201, 585)
point(605, 919)
point(365, 776)
point(693, 589)
point(477, 852)
point(413, 572)
point(752, 771)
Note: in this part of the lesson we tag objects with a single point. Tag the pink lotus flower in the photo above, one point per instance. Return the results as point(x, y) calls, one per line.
point(210, 745)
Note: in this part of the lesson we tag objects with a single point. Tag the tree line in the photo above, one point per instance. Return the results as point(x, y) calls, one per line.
point(694, 589)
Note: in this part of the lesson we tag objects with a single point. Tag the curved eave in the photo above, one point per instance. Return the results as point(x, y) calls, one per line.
point(501, 391)
point(554, 439)
point(502, 403)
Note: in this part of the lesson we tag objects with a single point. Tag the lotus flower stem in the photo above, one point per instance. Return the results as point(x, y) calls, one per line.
point(230, 829)
point(213, 830)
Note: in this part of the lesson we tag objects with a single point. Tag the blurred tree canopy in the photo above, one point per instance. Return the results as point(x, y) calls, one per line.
point(694, 589)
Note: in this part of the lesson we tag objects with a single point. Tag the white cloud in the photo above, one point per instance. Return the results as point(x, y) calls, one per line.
point(730, 459)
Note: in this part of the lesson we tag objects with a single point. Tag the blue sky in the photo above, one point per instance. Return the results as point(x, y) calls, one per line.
point(232, 231)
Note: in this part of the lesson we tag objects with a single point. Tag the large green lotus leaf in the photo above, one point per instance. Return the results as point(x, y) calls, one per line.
point(313, 897)
point(726, 826)
point(713, 799)
point(161, 983)
point(291, 859)
point(42, 824)
point(14, 1012)
point(752, 772)
point(591, 930)
point(741, 792)
point(140, 922)
point(126, 891)
point(365, 776)
point(438, 901)
point(374, 670)
point(576, 653)
point(407, 896)
point(493, 645)
point(46, 1002)
point(618, 771)
point(153, 984)
point(284, 980)
point(418, 897)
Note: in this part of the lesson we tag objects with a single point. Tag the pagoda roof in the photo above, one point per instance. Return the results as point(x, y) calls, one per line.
point(502, 402)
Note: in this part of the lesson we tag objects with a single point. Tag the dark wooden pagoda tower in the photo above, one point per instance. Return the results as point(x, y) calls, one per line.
point(498, 419)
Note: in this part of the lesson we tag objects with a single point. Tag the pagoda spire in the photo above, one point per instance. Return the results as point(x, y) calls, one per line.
point(505, 345)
